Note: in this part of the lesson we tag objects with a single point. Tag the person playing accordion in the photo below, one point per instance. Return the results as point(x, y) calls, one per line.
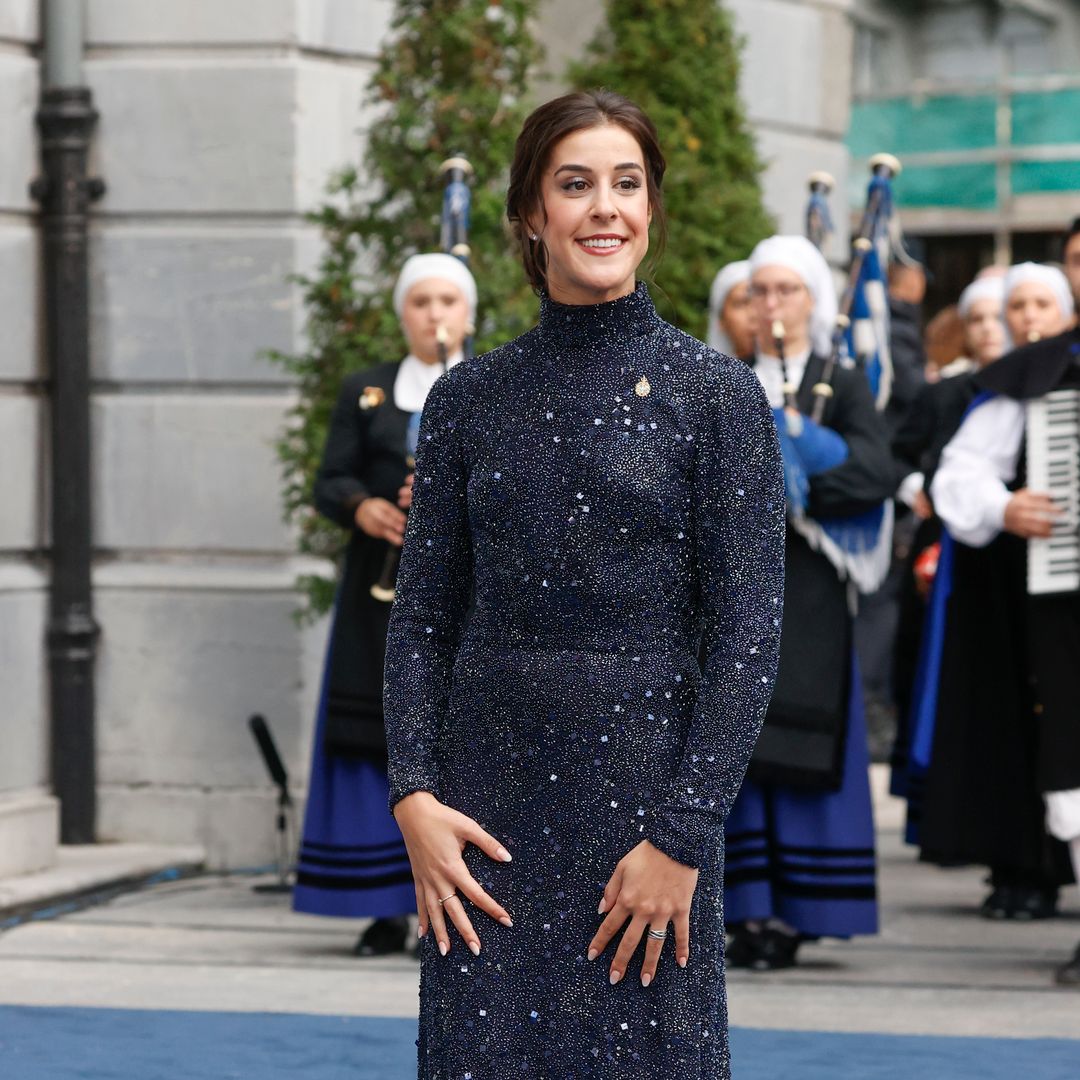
point(1008, 714)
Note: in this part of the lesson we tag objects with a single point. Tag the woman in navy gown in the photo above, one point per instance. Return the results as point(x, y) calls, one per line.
point(353, 861)
point(590, 499)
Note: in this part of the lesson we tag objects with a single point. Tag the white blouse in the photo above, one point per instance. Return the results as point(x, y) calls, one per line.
point(415, 379)
point(969, 489)
point(768, 371)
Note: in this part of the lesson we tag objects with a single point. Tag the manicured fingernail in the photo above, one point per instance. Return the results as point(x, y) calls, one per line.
point(615, 977)
point(593, 954)
point(505, 920)
point(504, 855)
point(646, 979)
point(443, 948)
point(475, 946)
point(419, 931)
point(602, 908)
point(682, 961)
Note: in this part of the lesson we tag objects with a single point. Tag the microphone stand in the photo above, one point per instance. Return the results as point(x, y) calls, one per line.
point(285, 825)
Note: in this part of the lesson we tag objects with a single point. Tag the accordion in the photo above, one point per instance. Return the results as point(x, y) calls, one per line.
point(1053, 468)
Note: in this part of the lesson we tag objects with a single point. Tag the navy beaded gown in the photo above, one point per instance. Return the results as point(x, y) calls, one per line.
point(590, 500)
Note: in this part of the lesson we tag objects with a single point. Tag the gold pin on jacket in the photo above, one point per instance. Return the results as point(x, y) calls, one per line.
point(643, 389)
point(372, 397)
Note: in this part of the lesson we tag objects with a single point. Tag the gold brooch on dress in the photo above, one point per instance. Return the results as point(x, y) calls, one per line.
point(643, 389)
point(372, 397)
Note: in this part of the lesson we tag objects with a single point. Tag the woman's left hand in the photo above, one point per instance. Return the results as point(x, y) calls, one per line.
point(650, 889)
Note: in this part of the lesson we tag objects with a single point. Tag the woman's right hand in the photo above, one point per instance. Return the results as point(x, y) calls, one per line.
point(1031, 515)
point(381, 519)
point(435, 836)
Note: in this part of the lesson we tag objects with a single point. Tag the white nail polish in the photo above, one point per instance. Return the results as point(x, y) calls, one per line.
point(506, 921)
point(646, 979)
point(593, 954)
point(505, 855)
point(602, 908)
point(475, 947)
point(443, 948)
point(615, 977)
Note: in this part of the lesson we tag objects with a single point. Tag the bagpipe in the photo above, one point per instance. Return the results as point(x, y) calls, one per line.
point(860, 545)
point(861, 335)
point(454, 240)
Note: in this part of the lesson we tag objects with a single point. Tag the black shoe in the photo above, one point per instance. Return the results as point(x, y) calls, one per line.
point(383, 937)
point(1031, 904)
point(1069, 974)
point(999, 904)
point(742, 947)
point(775, 951)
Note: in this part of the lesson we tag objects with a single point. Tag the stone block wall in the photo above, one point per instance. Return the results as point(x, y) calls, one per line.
point(219, 126)
point(28, 814)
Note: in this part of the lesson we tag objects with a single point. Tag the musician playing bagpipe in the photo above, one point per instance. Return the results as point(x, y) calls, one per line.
point(352, 857)
point(800, 838)
point(1007, 717)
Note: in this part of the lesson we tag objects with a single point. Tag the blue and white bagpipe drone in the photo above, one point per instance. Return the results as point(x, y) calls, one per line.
point(859, 546)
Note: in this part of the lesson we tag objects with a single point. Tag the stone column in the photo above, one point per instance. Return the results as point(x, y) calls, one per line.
point(796, 84)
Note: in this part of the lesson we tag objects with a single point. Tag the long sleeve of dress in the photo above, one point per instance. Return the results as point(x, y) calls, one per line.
point(338, 489)
point(868, 476)
point(433, 588)
point(739, 542)
point(969, 489)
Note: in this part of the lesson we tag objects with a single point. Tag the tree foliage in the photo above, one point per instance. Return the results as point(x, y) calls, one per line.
point(679, 60)
point(451, 80)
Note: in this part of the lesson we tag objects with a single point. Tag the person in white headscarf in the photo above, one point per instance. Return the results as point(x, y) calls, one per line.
point(807, 788)
point(352, 859)
point(917, 445)
point(732, 326)
point(1038, 302)
point(1005, 726)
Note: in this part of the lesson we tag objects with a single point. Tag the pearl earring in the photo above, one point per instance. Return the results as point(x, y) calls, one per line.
point(533, 236)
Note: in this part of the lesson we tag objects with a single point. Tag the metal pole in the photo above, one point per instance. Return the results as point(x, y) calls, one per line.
point(62, 30)
point(66, 119)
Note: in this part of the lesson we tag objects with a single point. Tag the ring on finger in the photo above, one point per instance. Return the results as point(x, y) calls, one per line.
point(445, 898)
point(657, 935)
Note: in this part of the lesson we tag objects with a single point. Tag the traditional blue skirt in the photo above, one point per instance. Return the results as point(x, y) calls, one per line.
point(807, 857)
point(352, 859)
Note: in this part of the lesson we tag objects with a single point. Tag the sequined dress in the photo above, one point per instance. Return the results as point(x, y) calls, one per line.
point(590, 500)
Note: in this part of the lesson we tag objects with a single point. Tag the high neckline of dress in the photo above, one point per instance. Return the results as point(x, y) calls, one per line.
point(569, 325)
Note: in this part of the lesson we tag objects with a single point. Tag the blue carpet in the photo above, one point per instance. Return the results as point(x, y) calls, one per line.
point(121, 1044)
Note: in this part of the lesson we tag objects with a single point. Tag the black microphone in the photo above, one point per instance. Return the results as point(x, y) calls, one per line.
point(268, 749)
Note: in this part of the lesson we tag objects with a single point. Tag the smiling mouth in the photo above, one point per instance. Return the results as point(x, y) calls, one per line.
point(601, 245)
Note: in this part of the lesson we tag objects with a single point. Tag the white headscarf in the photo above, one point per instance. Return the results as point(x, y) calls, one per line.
point(733, 274)
point(984, 288)
point(419, 268)
point(798, 254)
point(1050, 276)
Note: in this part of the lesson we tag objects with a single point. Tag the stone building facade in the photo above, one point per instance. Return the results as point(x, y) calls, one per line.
point(219, 125)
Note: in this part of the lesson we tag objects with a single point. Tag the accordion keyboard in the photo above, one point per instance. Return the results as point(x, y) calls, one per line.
point(1053, 468)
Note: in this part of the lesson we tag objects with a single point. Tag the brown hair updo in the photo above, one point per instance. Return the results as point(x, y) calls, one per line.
point(548, 124)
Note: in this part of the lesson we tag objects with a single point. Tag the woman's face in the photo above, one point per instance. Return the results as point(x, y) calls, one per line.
point(984, 334)
point(430, 304)
point(1032, 312)
point(738, 319)
point(596, 201)
point(778, 292)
